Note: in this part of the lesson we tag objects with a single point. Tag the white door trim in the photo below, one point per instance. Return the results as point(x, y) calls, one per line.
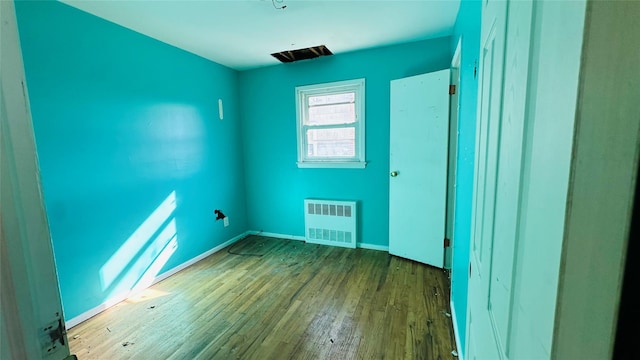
point(454, 122)
point(30, 294)
point(606, 152)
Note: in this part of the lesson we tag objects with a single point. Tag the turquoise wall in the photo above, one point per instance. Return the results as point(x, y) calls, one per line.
point(134, 158)
point(124, 125)
point(275, 186)
point(467, 27)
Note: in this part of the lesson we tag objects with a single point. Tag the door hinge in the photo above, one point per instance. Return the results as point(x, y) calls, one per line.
point(447, 242)
point(53, 336)
point(469, 269)
point(452, 89)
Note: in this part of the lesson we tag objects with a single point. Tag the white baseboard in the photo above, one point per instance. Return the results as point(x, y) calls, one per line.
point(302, 238)
point(121, 297)
point(373, 247)
point(274, 235)
point(456, 331)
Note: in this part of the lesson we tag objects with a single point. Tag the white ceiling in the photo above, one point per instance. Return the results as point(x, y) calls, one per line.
point(242, 34)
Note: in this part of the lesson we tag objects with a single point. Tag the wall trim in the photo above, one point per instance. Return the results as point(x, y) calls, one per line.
point(456, 332)
point(456, 59)
point(124, 296)
point(302, 238)
point(275, 235)
point(372, 246)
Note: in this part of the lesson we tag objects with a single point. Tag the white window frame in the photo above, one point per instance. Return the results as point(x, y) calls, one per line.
point(302, 94)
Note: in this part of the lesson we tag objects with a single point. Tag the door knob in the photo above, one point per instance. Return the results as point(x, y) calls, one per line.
point(393, 173)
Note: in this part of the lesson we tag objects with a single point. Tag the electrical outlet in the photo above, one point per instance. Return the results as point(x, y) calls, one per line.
point(226, 221)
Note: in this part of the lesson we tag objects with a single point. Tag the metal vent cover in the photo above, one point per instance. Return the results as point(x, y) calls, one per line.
point(331, 222)
point(288, 56)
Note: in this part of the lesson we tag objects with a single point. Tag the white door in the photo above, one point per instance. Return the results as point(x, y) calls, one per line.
point(419, 132)
point(31, 320)
point(504, 67)
point(481, 342)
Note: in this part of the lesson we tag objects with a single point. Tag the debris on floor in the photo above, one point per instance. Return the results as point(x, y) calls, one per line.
point(109, 330)
point(126, 343)
point(151, 307)
point(446, 313)
point(331, 340)
point(76, 336)
point(454, 353)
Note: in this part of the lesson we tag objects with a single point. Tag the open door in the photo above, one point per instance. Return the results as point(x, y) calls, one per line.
point(482, 342)
point(31, 320)
point(419, 133)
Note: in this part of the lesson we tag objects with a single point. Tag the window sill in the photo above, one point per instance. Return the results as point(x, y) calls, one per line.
point(333, 164)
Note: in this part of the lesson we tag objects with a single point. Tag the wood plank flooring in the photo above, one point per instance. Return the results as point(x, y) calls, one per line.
point(266, 298)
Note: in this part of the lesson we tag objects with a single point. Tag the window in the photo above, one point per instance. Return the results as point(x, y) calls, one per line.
point(331, 124)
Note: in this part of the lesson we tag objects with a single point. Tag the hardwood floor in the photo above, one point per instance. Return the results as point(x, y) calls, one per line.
point(266, 298)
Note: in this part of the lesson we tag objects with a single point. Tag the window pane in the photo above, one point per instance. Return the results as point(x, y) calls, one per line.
point(332, 99)
point(330, 124)
point(331, 143)
point(332, 114)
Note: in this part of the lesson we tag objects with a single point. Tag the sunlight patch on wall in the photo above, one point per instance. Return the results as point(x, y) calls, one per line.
point(141, 238)
point(147, 278)
point(154, 256)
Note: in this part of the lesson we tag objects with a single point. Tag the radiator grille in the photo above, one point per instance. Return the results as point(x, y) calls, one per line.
point(330, 222)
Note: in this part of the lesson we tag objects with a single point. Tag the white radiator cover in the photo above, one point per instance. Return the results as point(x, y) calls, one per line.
point(331, 222)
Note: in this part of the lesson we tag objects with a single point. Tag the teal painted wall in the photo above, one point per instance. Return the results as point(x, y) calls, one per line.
point(468, 27)
point(122, 122)
point(275, 186)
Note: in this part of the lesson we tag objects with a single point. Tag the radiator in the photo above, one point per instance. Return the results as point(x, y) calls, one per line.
point(330, 222)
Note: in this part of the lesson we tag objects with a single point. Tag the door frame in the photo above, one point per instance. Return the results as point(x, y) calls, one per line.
point(602, 184)
point(454, 122)
point(452, 176)
point(30, 296)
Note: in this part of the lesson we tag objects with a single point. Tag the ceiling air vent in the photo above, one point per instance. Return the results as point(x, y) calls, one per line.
point(302, 54)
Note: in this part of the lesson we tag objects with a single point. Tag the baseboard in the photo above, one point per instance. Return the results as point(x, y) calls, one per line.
point(456, 331)
point(188, 263)
point(96, 310)
point(279, 236)
point(373, 247)
point(302, 238)
point(121, 297)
